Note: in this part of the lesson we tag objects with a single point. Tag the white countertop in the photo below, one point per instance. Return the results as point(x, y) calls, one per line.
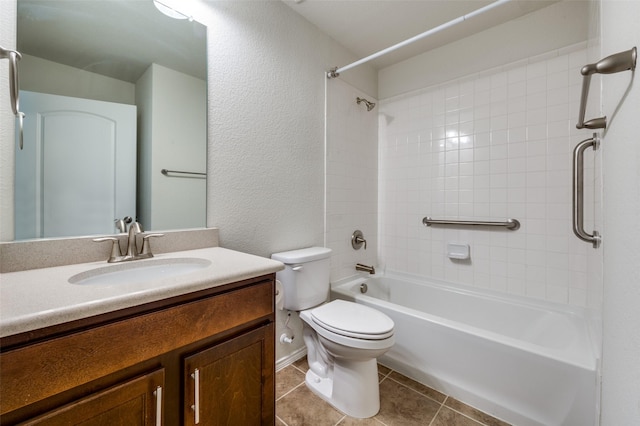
point(38, 298)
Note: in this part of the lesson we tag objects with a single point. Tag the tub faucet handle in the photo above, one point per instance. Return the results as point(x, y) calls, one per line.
point(357, 240)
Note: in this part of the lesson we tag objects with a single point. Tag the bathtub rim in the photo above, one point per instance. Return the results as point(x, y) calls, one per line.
point(590, 361)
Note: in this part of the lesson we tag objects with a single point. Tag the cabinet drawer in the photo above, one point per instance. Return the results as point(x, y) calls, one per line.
point(38, 371)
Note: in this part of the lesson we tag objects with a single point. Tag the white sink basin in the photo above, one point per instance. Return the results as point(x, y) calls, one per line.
point(138, 271)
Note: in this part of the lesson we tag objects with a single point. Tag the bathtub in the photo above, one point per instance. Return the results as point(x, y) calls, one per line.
point(527, 363)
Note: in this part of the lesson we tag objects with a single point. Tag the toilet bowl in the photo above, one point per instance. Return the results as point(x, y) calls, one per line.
point(343, 339)
point(343, 369)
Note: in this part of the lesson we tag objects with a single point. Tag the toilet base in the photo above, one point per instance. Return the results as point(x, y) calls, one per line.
point(353, 389)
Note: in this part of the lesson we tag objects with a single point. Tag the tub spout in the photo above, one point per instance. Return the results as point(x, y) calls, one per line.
point(365, 268)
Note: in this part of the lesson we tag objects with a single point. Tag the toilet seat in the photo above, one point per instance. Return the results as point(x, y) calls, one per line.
point(352, 320)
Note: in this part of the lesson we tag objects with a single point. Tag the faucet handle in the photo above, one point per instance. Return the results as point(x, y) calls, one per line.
point(115, 247)
point(146, 245)
point(357, 240)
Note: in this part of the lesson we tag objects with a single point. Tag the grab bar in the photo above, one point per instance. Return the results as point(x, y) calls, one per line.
point(14, 88)
point(166, 172)
point(511, 224)
point(618, 62)
point(578, 191)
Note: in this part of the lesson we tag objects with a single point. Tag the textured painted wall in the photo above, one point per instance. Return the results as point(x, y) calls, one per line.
point(7, 150)
point(266, 126)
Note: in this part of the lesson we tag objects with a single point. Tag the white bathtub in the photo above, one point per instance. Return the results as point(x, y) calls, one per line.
point(527, 363)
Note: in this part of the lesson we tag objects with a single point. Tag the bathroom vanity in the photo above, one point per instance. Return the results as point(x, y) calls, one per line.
point(193, 349)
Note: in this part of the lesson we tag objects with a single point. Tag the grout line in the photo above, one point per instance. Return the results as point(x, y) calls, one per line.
point(468, 417)
point(283, 422)
point(384, 376)
point(341, 419)
point(290, 390)
point(438, 412)
point(299, 369)
point(420, 393)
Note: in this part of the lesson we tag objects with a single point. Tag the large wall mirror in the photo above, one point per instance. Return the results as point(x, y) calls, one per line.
point(115, 101)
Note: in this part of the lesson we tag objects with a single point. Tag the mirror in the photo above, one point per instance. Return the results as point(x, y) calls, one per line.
point(84, 167)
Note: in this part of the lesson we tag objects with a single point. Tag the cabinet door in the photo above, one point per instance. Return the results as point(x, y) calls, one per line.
point(232, 383)
point(134, 402)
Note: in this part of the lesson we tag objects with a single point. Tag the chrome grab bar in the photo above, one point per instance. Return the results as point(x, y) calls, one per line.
point(511, 224)
point(618, 62)
point(578, 191)
point(166, 172)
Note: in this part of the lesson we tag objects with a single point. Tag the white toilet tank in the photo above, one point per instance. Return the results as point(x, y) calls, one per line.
point(305, 278)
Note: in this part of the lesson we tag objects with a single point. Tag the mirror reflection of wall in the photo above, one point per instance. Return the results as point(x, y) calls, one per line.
point(117, 53)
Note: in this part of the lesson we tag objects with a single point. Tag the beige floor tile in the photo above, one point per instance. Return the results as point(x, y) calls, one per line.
point(287, 379)
point(400, 405)
point(418, 387)
point(302, 364)
point(350, 421)
point(301, 407)
point(448, 417)
point(402, 402)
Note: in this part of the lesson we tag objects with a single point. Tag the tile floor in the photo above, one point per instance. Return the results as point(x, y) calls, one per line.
point(402, 402)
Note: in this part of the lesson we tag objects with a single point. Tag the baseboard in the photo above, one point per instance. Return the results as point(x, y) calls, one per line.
point(291, 358)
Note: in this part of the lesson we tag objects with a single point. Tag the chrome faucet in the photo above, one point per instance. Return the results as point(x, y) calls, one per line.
point(132, 247)
point(132, 253)
point(365, 268)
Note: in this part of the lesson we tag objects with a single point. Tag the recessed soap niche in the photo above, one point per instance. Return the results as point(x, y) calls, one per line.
point(458, 251)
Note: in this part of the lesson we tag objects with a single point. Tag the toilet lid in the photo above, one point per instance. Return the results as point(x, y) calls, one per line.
point(353, 320)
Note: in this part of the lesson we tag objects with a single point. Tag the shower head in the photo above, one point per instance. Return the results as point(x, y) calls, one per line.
point(622, 61)
point(370, 105)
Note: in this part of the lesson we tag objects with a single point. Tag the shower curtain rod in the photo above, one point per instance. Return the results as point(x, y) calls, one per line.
point(335, 72)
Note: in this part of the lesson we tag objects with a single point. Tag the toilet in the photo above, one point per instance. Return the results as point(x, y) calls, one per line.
point(343, 339)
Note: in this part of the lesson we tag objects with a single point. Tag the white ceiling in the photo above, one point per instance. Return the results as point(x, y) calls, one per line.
point(368, 26)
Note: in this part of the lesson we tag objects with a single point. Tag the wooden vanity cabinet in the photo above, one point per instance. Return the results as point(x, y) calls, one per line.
point(141, 366)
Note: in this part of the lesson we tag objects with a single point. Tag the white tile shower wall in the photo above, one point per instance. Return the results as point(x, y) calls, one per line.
point(351, 174)
point(489, 146)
